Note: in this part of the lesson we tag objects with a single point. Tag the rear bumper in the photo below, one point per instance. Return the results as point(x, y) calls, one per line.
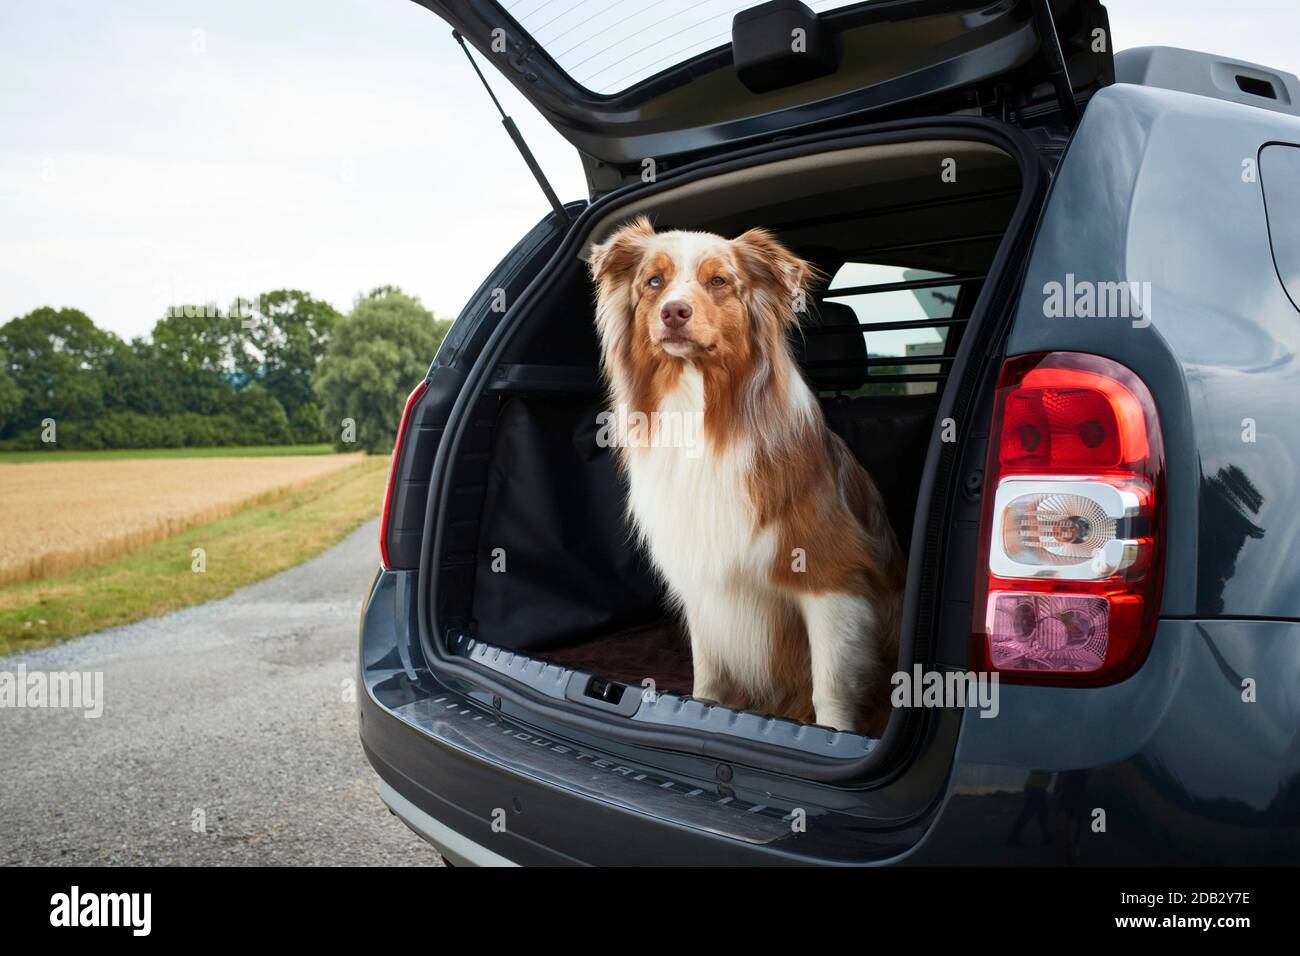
point(490, 774)
point(1181, 769)
point(485, 814)
point(456, 848)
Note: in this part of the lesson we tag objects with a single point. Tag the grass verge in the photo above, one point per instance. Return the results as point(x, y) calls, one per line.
point(271, 536)
point(112, 454)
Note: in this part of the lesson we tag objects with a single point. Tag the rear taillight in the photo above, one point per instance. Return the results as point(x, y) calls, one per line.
point(390, 491)
point(1071, 534)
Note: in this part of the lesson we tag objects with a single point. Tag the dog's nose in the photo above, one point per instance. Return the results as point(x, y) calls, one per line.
point(675, 314)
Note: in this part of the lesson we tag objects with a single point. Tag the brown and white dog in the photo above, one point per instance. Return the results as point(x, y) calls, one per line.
point(771, 537)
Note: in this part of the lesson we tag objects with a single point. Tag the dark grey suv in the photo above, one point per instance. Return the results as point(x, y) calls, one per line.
point(1060, 329)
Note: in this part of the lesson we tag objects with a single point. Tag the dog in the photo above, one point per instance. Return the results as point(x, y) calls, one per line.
point(772, 540)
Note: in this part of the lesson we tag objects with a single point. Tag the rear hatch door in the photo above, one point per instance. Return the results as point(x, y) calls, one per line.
point(631, 81)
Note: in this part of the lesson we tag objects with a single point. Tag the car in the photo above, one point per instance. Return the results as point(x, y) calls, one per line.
point(1060, 331)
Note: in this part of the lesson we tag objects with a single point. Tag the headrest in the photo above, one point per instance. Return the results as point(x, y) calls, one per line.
point(848, 346)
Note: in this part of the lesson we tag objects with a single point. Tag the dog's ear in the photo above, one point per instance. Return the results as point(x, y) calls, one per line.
point(775, 270)
point(618, 256)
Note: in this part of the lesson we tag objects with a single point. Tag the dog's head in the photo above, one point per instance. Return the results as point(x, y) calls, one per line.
point(674, 297)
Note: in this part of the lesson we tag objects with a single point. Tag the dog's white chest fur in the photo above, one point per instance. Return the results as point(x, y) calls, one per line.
point(692, 507)
point(692, 504)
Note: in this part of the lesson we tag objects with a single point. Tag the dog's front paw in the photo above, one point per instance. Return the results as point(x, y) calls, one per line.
point(710, 692)
point(838, 717)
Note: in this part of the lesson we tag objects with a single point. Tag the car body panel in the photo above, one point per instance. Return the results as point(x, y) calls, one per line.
point(1162, 188)
point(1183, 763)
point(1279, 171)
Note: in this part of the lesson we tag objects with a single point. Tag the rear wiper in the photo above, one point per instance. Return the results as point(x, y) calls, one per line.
point(518, 138)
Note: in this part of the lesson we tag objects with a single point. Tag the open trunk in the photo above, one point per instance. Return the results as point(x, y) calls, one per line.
point(533, 574)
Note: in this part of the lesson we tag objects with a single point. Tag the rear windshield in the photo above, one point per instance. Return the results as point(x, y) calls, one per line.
point(608, 46)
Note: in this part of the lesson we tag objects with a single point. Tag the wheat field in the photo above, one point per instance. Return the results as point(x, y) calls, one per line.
point(57, 516)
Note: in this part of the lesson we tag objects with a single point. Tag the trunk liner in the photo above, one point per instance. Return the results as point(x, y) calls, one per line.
point(659, 651)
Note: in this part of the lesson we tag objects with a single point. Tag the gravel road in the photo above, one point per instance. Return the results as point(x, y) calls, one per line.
point(233, 714)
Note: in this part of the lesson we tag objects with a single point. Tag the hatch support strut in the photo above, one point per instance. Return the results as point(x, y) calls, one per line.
point(1050, 43)
point(518, 138)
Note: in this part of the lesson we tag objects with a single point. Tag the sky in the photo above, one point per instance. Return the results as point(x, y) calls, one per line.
point(158, 152)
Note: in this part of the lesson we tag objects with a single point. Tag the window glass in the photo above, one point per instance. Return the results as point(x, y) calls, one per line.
point(1279, 168)
point(901, 305)
point(609, 46)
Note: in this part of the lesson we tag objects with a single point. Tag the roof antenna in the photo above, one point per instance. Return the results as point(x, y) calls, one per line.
point(518, 138)
point(1050, 43)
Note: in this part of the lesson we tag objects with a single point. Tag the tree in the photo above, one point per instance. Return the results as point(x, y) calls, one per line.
point(57, 360)
point(283, 335)
point(378, 352)
point(136, 384)
point(192, 355)
point(11, 396)
point(259, 418)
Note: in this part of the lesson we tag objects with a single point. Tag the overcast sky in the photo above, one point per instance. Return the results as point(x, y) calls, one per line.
point(164, 151)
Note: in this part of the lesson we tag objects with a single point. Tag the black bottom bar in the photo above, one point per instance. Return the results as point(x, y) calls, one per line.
point(218, 906)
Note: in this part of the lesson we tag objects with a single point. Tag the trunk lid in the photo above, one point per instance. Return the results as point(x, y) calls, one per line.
point(643, 85)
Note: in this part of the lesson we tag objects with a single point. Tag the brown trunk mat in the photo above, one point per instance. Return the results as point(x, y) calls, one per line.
point(659, 651)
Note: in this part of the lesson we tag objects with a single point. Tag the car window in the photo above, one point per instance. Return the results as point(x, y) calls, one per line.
point(1279, 168)
point(888, 307)
point(609, 46)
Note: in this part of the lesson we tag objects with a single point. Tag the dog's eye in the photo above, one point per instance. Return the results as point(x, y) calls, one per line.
point(717, 280)
point(655, 282)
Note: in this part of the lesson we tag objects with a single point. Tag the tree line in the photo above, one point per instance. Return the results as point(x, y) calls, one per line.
point(283, 368)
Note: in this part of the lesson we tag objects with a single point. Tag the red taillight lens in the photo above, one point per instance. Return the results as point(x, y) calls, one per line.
point(1066, 419)
point(1071, 531)
point(389, 495)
